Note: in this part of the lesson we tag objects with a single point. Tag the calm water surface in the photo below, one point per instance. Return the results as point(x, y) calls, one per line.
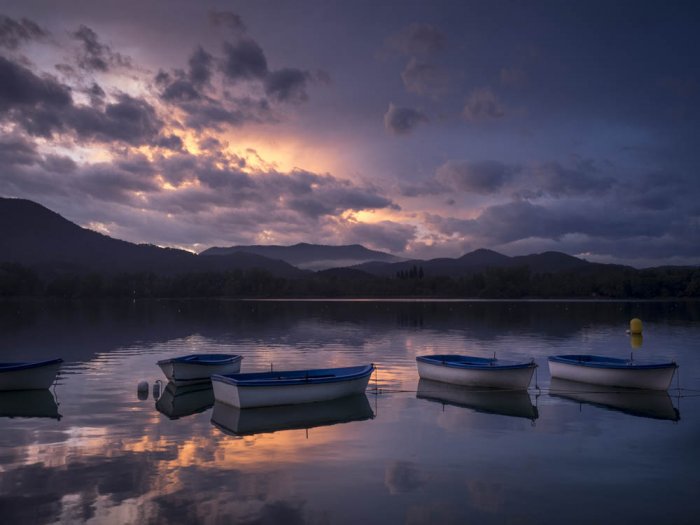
point(94, 450)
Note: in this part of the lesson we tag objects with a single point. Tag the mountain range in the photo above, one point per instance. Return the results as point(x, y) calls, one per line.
point(312, 256)
point(37, 237)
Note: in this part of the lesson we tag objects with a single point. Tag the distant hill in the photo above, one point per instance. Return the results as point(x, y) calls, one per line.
point(34, 236)
point(481, 260)
point(311, 256)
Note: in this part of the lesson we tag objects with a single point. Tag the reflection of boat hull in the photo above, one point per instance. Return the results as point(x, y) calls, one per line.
point(233, 420)
point(492, 401)
point(198, 368)
point(476, 371)
point(610, 371)
point(653, 404)
point(28, 403)
point(29, 376)
point(180, 401)
point(290, 387)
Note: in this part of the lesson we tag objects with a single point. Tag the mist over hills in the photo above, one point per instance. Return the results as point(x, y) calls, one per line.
point(311, 256)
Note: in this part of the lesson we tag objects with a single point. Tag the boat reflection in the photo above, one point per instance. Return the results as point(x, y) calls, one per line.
point(181, 401)
point(654, 404)
point(29, 403)
point(490, 401)
point(247, 421)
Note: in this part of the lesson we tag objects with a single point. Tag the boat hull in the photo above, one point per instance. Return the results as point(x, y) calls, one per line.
point(658, 378)
point(182, 373)
point(29, 376)
point(252, 396)
point(495, 377)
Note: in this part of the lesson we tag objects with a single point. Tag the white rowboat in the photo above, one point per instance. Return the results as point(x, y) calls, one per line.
point(612, 371)
point(290, 387)
point(36, 375)
point(476, 371)
point(198, 368)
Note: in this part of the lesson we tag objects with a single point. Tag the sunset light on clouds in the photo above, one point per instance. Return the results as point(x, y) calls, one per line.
point(422, 129)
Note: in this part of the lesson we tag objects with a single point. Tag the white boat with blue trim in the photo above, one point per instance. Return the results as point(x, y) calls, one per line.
point(290, 387)
point(473, 371)
point(29, 375)
point(198, 368)
point(613, 371)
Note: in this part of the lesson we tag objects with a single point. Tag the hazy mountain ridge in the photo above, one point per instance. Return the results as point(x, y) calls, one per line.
point(311, 256)
point(35, 236)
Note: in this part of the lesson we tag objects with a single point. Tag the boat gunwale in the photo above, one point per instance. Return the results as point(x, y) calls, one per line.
point(28, 365)
point(273, 379)
point(202, 359)
point(477, 363)
point(609, 363)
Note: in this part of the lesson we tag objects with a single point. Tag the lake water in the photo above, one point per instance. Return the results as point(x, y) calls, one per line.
point(95, 450)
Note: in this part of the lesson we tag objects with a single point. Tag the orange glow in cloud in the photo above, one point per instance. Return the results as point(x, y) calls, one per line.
point(265, 151)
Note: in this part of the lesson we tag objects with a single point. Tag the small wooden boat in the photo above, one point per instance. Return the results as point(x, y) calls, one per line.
point(613, 371)
point(34, 375)
point(476, 371)
point(198, 368)
point(652, 404)
point(29, 403)
point(180, 401)
point(290, 387)
point(514, 403)
point(247, 421)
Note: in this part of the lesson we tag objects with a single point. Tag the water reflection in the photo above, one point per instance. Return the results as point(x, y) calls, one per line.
point(29, 403)
point(489, 401)
point(114, 459)
point(176, 402)
point(241, 422)
point(652, 404)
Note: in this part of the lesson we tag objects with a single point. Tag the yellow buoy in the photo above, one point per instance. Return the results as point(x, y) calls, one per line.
point(636, 341)
point(636, 326)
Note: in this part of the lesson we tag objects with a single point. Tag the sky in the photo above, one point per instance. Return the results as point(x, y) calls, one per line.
point(424, 129)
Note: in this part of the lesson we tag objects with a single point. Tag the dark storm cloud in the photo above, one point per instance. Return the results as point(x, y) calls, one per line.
point(15, 32)
point(128, 119)
point(227, 19)
point(425, 79)
point(384, 235)
point(482, 104)
point(112, 183)
point(44, 106)
point(210, 113)
point(171, 142)
point(17, 151)
point(96, 94)
point(556, 180)
point(418, 39)
point(287, 85)
point(200, 67)
point(401, 121)
point(21, 88)
point(487, 177)
point(95, 55)
point(244, 60)
point(518, 220)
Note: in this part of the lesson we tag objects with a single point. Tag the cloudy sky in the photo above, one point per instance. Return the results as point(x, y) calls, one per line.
point(425, 129)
